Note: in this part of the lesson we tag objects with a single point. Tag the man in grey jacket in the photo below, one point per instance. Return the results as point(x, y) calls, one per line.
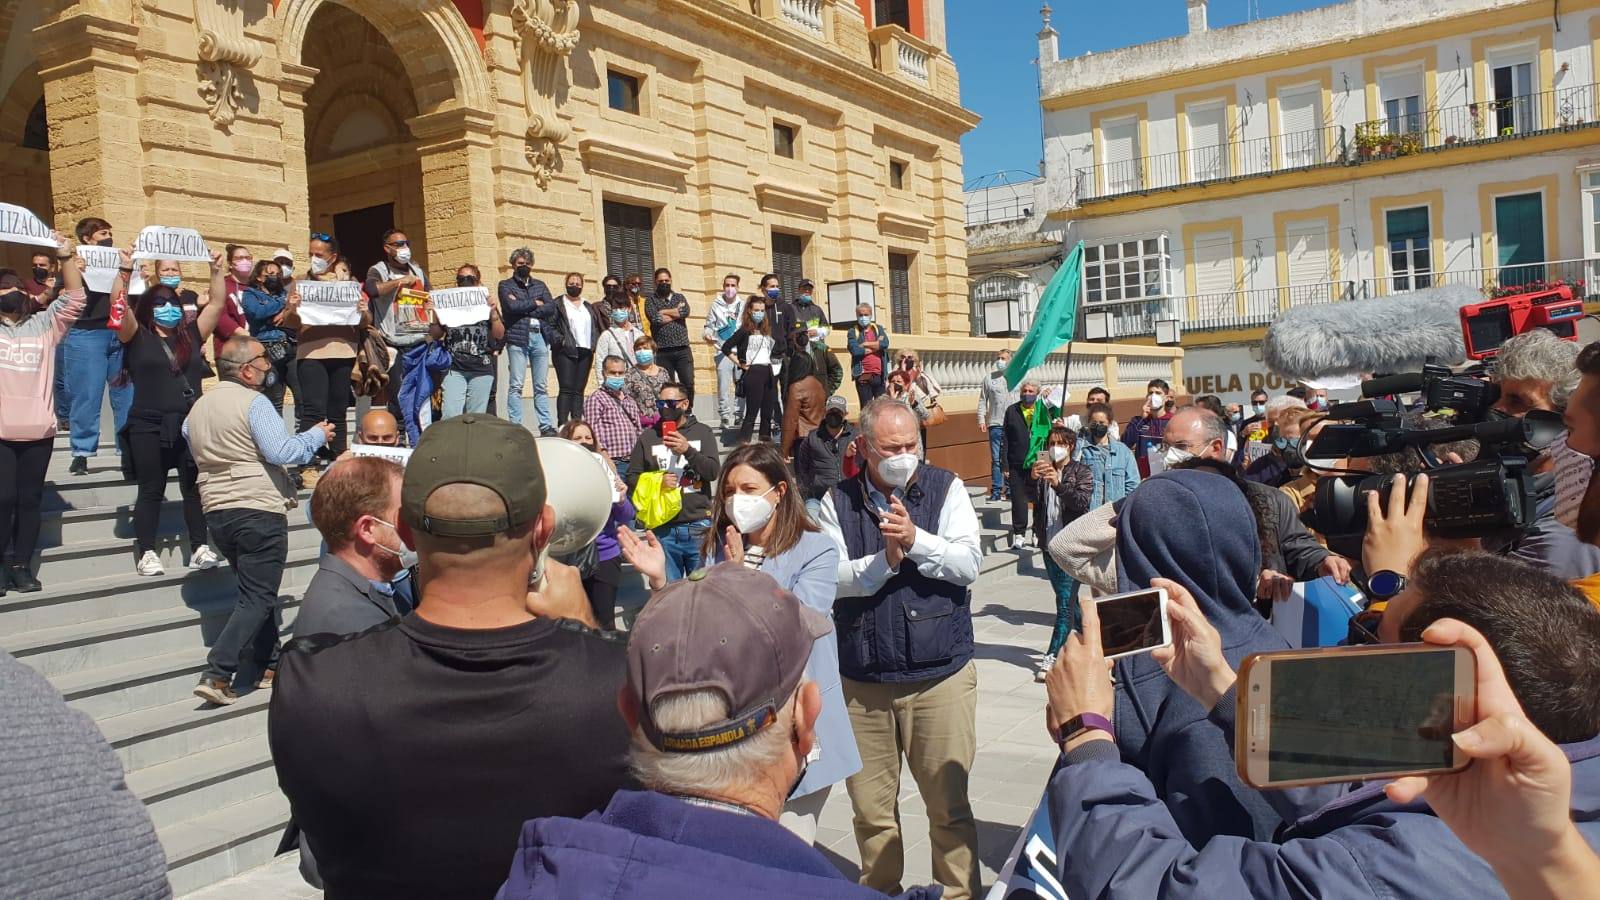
point(994, 398)
point(356, 507)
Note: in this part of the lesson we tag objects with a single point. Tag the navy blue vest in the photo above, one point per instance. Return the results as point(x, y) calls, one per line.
point(914, 628)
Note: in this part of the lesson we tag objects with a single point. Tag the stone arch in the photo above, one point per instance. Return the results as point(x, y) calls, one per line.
point(24, 170)
point(441, 55)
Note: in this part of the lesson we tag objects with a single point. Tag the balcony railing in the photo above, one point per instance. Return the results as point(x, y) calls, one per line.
point(803, 14)
point(1432, 130)
point(1255, 307)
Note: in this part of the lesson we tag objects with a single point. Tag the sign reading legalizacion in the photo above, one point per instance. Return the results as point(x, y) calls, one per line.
point(329, 302)
point(401, 455)
point(20, 226)
point(461, 306)
point(100, 270)
point(163, 242)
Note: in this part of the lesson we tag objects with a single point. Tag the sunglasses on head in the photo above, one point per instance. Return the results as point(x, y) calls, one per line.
point(321, 236)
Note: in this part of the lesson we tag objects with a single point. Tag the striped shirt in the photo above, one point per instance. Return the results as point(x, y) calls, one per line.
point(615, 421)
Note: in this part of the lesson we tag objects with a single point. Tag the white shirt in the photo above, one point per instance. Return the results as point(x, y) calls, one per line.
point(953, 554)
point(581, 323)
point(759, 352)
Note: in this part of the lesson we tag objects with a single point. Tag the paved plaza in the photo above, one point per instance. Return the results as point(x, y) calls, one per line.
point(1012, 614)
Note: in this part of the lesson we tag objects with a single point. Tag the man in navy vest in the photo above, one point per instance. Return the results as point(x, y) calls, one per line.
point(908, 552)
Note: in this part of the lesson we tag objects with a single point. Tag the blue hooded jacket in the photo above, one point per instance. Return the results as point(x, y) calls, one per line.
point(425, 367)
point(1196, 528)
point(649, 846)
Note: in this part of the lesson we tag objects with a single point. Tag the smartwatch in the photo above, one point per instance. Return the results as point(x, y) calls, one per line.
point(1079, 724)
point(1384, 584)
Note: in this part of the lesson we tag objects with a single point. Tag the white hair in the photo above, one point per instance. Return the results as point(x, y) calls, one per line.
point(708, 772)
point(884, 406)
point(1279, 404)
point(1539, 355)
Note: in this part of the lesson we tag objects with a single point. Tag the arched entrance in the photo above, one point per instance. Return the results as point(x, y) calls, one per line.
point(24, 125)
point(397, 108)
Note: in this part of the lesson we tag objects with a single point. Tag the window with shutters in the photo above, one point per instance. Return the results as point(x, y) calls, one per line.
point(1300, 142)
point(1401, 93)
point(1122, 170)
point(1410, 250)
point(788, 262)
point(1215, 285)
point(1519, 238)
point(630, 245)
point(1306, 246)
point(783, 139)
point(1511, 74)
point(1208, 136)
point(900, 292)
point(893, 12)
point(1131, 269)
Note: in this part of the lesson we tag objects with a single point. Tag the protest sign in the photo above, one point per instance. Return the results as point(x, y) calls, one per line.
point(411, 311)
point(1317, 613)
point(100, 270)
point(20, 226)
point(1254, 450)
point(329, 302)
point(460, 306)
point(163, 242)
point(401, 455)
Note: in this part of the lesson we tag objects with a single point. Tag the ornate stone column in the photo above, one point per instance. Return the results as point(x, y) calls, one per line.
point(456, 150)
point(546, 30)
point(295, 81)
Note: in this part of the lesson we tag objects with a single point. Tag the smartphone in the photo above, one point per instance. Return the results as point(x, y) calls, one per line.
point(668, 428)
point(1135, 622)
point(1340, 714)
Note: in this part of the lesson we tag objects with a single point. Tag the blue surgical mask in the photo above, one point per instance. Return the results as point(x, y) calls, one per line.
point(619, 316)
point(172, 281)
point(615, 382)
point(1258, 408)
point(757, 317)
point(864, 320)
point(773, 293)
point(805, 298)
point(644, 357)
point(168, 316)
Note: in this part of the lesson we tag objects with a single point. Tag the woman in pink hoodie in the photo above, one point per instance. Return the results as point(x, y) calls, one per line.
point(27, 410)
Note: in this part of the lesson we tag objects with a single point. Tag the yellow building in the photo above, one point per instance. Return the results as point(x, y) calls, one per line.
point(800, 136)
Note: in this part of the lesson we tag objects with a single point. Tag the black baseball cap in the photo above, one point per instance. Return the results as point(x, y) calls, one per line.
point(474, 449)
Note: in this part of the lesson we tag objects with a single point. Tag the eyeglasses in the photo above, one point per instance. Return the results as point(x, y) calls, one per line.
point(399, 244)
point(321, 236)
point(1164, 446)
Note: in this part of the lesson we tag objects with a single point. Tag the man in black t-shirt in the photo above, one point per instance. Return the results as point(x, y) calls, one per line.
point(412, 753)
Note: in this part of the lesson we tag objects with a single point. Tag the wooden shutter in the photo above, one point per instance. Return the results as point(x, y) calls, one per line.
point(788, 262)
point(1301, 116)
point(1121, 141)
point(630, 246)
point(1213, 275)
point(1308, 253)
point(900, 292)
point(1208, 131)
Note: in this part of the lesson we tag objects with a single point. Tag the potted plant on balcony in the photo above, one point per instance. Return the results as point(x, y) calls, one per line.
point(1452, 140)
point(1370, 140)
point(1409, 143)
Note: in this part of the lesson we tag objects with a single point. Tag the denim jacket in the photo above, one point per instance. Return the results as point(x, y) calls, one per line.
point(1116, 472)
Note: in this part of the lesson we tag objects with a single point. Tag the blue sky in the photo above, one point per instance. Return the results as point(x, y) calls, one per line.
point(994, 43)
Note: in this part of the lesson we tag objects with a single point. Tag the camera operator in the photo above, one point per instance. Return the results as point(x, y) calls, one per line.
point(1536, 370)
point(1581, 490)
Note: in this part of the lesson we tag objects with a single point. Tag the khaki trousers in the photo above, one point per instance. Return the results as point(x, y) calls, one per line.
point(933, 724)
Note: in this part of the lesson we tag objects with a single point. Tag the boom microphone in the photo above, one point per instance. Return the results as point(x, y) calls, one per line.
point(1388, 334)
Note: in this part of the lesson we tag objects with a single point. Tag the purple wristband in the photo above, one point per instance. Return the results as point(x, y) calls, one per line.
point(1084, 722)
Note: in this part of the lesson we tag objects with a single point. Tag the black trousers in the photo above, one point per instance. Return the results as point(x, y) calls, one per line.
point(869, 390)
point(256, 545)
point(22, 468)
point(573, 374)
point(680, 362)
point(1020, 483)
point(151, 463)
point(760, 398)
point(602, 590)
point(288, 379)
point(397, 374)
point(324, 396)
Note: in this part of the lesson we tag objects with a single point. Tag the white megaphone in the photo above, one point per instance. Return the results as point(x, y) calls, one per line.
point(578, 487)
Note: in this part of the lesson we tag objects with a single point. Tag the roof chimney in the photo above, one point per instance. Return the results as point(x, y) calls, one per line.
point(1049, 41)
point(1197, 16)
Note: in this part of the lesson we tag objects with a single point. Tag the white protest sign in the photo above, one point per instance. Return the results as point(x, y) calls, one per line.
point(101, 270)
point(20, 226)
point(329, 302)
point(401, 455)
point(163, 242)
point(461, 306)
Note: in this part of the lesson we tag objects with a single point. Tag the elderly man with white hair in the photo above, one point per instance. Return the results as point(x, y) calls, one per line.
point(723, 723)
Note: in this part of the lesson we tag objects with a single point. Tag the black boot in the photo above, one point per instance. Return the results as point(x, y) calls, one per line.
point(22, 579)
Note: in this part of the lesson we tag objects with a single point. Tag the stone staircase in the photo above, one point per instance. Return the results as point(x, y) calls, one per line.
point(128, 650)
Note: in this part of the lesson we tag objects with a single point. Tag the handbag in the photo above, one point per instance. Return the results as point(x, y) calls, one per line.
point(933, 416)
point(277, 351)
point(655, 505)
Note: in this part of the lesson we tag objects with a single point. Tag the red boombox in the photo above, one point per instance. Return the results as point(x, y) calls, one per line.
point(1486, 326)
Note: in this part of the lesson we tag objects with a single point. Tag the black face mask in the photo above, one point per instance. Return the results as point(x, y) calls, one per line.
point(273, 284)
point(1098, 431)
point(105, 242)
point(466, 281)
point(1293, 458)
point(574, 290)
point(40, 274)
point(664, 289)
point(833, 422)
point(13, 302)
point(523, 272)
point(613, 290)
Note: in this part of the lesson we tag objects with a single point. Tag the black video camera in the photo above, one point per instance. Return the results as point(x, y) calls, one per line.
point(1467, 396)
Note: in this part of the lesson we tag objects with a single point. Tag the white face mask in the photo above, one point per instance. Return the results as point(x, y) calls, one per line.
point(751, 512)
point(1176, 456)
point(1573, 471)
point(1158, 400)
point(898, 470)
point(1058, 453)
point(318, 265)
point(407, 556)
point(403, 256)
point(1001, 363)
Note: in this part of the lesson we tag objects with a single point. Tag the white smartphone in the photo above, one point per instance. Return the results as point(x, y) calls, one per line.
point(1340, 714)
point(1135, 622)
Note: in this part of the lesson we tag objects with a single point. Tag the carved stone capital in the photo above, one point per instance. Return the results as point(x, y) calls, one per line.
point(225, 55)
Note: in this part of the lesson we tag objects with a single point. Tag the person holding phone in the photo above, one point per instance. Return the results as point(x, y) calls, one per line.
point(686, 450)
point(1064, 487)
point(1144, 431)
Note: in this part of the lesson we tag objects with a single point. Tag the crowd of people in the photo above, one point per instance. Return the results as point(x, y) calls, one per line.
point(458, 713)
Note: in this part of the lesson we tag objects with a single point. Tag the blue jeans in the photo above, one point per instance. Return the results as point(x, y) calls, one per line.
point(63, 397)
point(997, 461)
point(519, 359)
point(93, 357)
point(683, 544)
point(730, 406)
point(465, 394)
point(1067, 613)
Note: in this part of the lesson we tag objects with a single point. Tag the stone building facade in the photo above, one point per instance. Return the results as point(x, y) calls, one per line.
point(706, 135)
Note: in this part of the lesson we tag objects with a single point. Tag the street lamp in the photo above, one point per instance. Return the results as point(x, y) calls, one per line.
point(1169, 332)
point(1097, 326)
point(845, 296)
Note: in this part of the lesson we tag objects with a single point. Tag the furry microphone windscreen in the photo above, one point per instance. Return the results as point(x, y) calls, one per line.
point(1397, 333)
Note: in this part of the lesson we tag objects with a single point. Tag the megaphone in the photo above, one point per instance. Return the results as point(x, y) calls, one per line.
point(578, 487)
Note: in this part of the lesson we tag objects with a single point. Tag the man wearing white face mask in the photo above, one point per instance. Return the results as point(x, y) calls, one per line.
point(907, 535)
point(356, 506)
point(1144, 431)
point(722, 320)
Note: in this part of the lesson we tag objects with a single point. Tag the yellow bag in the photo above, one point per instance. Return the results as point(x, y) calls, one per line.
point(656, 506)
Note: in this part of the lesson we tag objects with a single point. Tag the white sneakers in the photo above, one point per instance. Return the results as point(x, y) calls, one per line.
point(150, 564)
point(1045, 665)
point(204, 558)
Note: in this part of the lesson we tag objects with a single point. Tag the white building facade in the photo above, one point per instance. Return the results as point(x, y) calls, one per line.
point(1350, 151)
